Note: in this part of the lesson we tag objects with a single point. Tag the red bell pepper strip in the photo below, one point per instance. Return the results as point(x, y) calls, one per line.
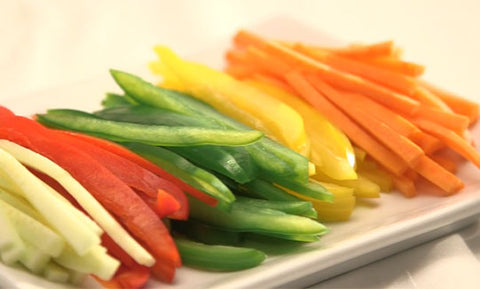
point(5, 111)
point(127, 154)
point(111, 192)
point(132, 174)
point(130, 275)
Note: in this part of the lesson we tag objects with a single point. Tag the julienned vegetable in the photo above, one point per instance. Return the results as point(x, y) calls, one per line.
point(83, 197)
point(240, 183)
point(154, 135)
point(218, 257)
point(345, 88)
point(272, 158)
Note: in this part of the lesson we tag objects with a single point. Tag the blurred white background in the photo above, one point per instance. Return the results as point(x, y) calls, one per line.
point(44, 44)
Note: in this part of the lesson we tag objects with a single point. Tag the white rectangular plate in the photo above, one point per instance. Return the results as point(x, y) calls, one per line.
point(377, 228)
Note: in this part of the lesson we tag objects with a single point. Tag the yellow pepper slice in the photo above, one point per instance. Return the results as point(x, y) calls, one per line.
point(331, 151)
point(238, 100)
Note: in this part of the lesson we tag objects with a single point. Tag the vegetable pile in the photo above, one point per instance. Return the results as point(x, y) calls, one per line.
point(188, 171)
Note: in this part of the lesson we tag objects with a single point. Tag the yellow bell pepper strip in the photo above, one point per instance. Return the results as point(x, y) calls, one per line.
point(362, 186)
point(339, 210)
point(330, 150)
point(237, 100)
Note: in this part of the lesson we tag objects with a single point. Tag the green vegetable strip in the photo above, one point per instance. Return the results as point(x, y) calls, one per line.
point(143, 114)
point(275, 160)
point(229, 161)
point(113, 100)
point(186, 171)
point(149, 134)
point(234, 162)
point(289, 207)
point(262, 189)
point(218, 257)
point(244, 218)
point(207, 234)
point(311, 189)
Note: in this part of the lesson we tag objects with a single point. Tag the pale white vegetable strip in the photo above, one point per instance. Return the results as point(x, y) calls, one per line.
point(96, 261)
point(84, 198)
point(7, 184)
point(56, 273)
point(34, 259)
point(11, 246)
point(55, 212)
point(19, 203)
point(33, 232)
point(84, 218)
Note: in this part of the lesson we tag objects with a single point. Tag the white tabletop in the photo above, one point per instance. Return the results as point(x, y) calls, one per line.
point(45, 44)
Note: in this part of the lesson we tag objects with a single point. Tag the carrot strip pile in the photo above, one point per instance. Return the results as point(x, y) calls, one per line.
point(375, 97)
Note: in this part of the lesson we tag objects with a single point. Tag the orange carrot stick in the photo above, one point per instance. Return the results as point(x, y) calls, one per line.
point(458, 104)
point(427, 98)
point(385, 48)
point(398, 123)
point(396, 81)
point(399, 144)
point(427, 142)
point(405, 185)
point(455, 122)
point(451, 139)
point(389, 98)
point(445, 162)
point(273, 81)
point(396, 65)
point(375, 149)
point(438, 175)
point(240, 71)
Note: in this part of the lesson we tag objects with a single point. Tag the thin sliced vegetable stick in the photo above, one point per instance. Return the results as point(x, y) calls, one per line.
point(452, 121)
point(395, 101)
point(385, 48)
point(240, 71)
point(452, 140)
point(396, 81)
point(83, 197)
point(268, 63)
point(458, 104)
point(405, 185)
point(273, 81)
point(356, 133)
point(397, 65)
point(445, 162)
point(398, 123)
point(400, 145)
point(428, 98)
point(438, 175)
point(427, 142)
point(235, 56)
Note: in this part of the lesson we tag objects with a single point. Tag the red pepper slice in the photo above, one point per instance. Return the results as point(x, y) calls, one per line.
point(130, 275)
point(132, 174)
point(127, 154)
point(111, 192)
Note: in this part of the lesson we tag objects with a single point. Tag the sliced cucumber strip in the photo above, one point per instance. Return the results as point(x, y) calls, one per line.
point(84, 198)
point(12, 248)
point(96, 261)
